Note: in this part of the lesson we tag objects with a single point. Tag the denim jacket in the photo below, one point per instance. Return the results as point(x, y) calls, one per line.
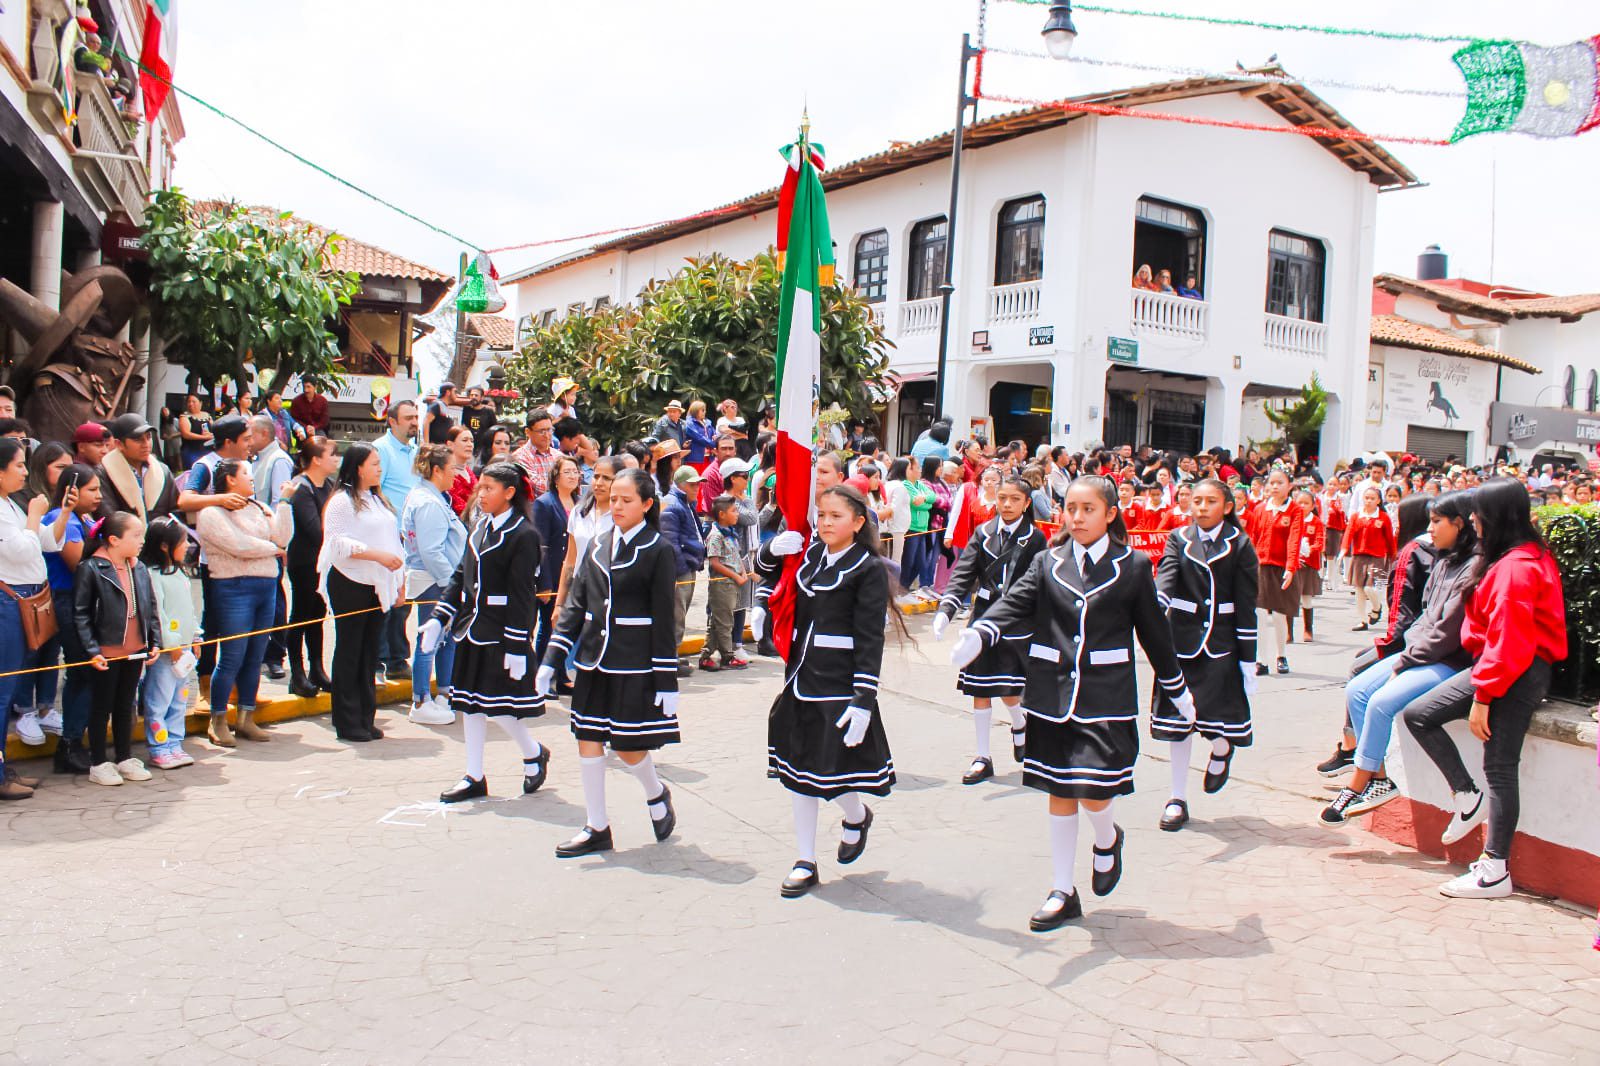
point(433, 537)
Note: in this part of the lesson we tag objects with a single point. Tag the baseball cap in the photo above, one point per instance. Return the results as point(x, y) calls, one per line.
point(129, 425)
point(91, 433)
point(730, 467)
point(686, 475)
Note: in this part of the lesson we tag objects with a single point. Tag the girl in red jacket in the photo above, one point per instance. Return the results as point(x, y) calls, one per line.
point(1309, 577)
point(1334, 517)
point(1516, 628)
point(1277, 531)
point(1369, 544)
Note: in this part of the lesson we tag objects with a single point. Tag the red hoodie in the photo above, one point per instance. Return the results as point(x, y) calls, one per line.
point(1517, 614)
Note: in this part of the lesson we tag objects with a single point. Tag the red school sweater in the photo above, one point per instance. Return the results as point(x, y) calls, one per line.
point(1516, 614)
point(1277, 535)
point(1370, 534)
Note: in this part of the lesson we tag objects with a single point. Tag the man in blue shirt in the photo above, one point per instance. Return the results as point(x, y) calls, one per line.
point(935, 441)
point(397, 452)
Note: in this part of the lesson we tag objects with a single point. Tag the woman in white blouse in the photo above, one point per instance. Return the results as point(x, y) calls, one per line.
point(22, 545)
point(362, 566)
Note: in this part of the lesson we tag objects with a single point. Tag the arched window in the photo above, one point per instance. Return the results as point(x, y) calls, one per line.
point(1594, 391)
point(925, 260)
point(1019, 244)
point(1569, 387)
point(872, 266)
point(1171, 237)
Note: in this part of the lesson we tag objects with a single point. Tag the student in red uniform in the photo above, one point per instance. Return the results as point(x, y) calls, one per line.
point(1128, 503)
point(1516, 628)
point(1178, 514)
point(1335, 519)
point(1309, 577)
point(1278, 527)
point(1369, 544)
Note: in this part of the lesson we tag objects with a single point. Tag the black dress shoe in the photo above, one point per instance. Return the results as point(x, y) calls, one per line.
point(849, 853)
point(71, 758)
point(587, 842)
point(1171, 823)
point(982, 770)
point(541, 762)
point(1262, 669)
point(374, 733)
point(275, 671)
point(319, 677)
point(1058, 909)
point(355, 738)
point(1215, 781)
point(795, 887)
point(1283, 665)
point(667, 822)
point(465, 789)
point(564, 688)
point(300, 685)
point(1103, 883)
point(765, 647)
point(1019, 746)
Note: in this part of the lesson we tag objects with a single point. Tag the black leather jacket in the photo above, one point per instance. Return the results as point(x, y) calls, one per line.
point(101, 609)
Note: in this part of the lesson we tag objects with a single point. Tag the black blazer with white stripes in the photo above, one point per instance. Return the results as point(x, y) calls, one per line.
point(619, 611)
point(990, 564)
point(1211, 603)
point(839, 617)
point(491, 599)
point(1077, 634)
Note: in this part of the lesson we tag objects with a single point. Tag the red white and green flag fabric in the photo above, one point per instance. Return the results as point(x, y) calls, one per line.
point(807, 267)
point(792, 154)
point(157, 54)
point(1517, 87)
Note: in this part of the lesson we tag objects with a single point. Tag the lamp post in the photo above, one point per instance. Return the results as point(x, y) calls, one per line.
point(1059, 33)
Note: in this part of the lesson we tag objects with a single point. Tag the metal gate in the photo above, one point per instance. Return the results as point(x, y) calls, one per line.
point(1435, 444)
point(1122, 419)
point(1177, 421)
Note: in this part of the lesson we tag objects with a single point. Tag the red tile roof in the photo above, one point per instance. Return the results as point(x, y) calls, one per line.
point(365, 259)
point(1397, 332)
point(1496, 309)
point(497, 332)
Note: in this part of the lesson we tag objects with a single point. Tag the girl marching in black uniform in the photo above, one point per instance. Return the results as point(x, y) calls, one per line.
point(488, 610)
point(825, 738)
point(1078, 609)
point(1207, 582)
point(626, 692)
point(997, 555)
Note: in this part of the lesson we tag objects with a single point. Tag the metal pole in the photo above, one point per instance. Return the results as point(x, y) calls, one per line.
point(948, 288)
point(456, 364)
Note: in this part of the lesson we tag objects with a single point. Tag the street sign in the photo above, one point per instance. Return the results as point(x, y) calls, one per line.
point(1122, 350)
point(1041, 335)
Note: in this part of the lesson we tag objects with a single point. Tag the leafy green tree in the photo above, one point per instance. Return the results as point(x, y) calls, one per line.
point(1301, 422)
point(230, 283)
point(708, 332)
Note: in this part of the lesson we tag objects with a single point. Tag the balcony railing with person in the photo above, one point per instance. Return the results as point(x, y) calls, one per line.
point(1017, 302)
point(1166, 316)
point(919, 316)
point(108, 153)
point(1295, 336)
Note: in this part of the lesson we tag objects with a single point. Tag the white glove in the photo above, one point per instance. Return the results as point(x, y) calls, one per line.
point(854, 722)
point(941, 622)
point(668, 702)
point(544, 682)
point(1248, 671)
point(428, 636)
point(1305, 549)
point(789, 542)
point(516, 666)
point(758, 622)
point(1185, 706)
point(968, 645)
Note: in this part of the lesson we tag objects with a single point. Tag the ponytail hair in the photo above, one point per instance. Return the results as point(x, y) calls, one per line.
point(1230, 513)
point(645, 486)
point(1107, 491)
point(513, 477)
point(867, 535)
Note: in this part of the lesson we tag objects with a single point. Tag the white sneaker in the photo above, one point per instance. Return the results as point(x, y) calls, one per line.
point(133, 770)
point(442, 704)
point(51, 722)
point(28, 729)
point(429, 714)
point(1485, 879)
point(104, 773)
point(1462, 824)
point(182, 758)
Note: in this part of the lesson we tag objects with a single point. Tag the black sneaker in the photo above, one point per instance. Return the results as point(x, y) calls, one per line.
point(1336, 813)
point(1379, 790)
point(1283, 665)
point(1338, 764)
point(1262, 669)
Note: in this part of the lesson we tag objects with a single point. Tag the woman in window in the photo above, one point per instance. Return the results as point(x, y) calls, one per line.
point(1145, 279)
point(1190, 289)
point(1164, 283)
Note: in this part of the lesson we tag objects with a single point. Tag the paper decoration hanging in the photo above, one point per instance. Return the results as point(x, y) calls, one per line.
point(480, 289)
point(1517, 87)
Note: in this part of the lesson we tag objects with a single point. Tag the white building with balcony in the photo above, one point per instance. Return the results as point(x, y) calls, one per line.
point(1049, 340)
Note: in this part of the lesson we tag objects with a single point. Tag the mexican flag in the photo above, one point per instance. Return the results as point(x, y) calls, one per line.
point(807, 266)
point(1516, 87)
point(157, 55)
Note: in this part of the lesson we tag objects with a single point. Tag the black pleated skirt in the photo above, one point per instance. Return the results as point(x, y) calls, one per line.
point(1221, 707)
point(806, 750)
point(997, 671)
point(619, 710)
point(1079, 759)
point(479, 683)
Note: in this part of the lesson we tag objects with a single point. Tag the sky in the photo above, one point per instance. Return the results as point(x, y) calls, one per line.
point(509, 121)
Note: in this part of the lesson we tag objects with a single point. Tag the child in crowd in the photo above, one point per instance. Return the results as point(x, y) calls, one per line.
point(1309, 576)
point(1369, 544)
point(168, 679)
point(730, 571)
point(115, 615)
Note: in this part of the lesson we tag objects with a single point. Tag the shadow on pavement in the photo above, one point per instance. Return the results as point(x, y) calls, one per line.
point(1130, 933)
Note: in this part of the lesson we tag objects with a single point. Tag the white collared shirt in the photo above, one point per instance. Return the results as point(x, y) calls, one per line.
point(1095, 551)
point(1210, 535)
point(1012, 528)
point(832, 558)
point(624, 537)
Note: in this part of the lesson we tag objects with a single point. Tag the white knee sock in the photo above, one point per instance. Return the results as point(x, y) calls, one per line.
point(1280, 628)
point(805, 825)
point(474, 731)
point(518, 732)
point(983, 722)
point(1019, 718)
point(854, 811)
point(593, 772)
point(1105, 834)
point(1063, 849)
point(1180, 767)
point(645, 772)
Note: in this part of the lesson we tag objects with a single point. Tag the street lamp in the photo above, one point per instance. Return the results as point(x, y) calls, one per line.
point(1059, 34)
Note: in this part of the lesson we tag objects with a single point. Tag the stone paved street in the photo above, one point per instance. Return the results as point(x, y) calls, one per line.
point(307, 902)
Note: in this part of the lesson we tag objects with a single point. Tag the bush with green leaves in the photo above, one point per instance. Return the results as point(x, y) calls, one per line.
point(1573, 533)
point(708, 332)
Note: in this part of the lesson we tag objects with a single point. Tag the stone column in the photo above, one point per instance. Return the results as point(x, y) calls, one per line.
point(49, 222)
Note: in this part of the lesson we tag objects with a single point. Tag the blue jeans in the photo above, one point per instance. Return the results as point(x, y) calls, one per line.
point(14, 651)
point(166, 696)
point(38, 691)
point(438, 662)
point(1376, 695)
point(917, 560)
point(77, 688)
point(243, 604)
